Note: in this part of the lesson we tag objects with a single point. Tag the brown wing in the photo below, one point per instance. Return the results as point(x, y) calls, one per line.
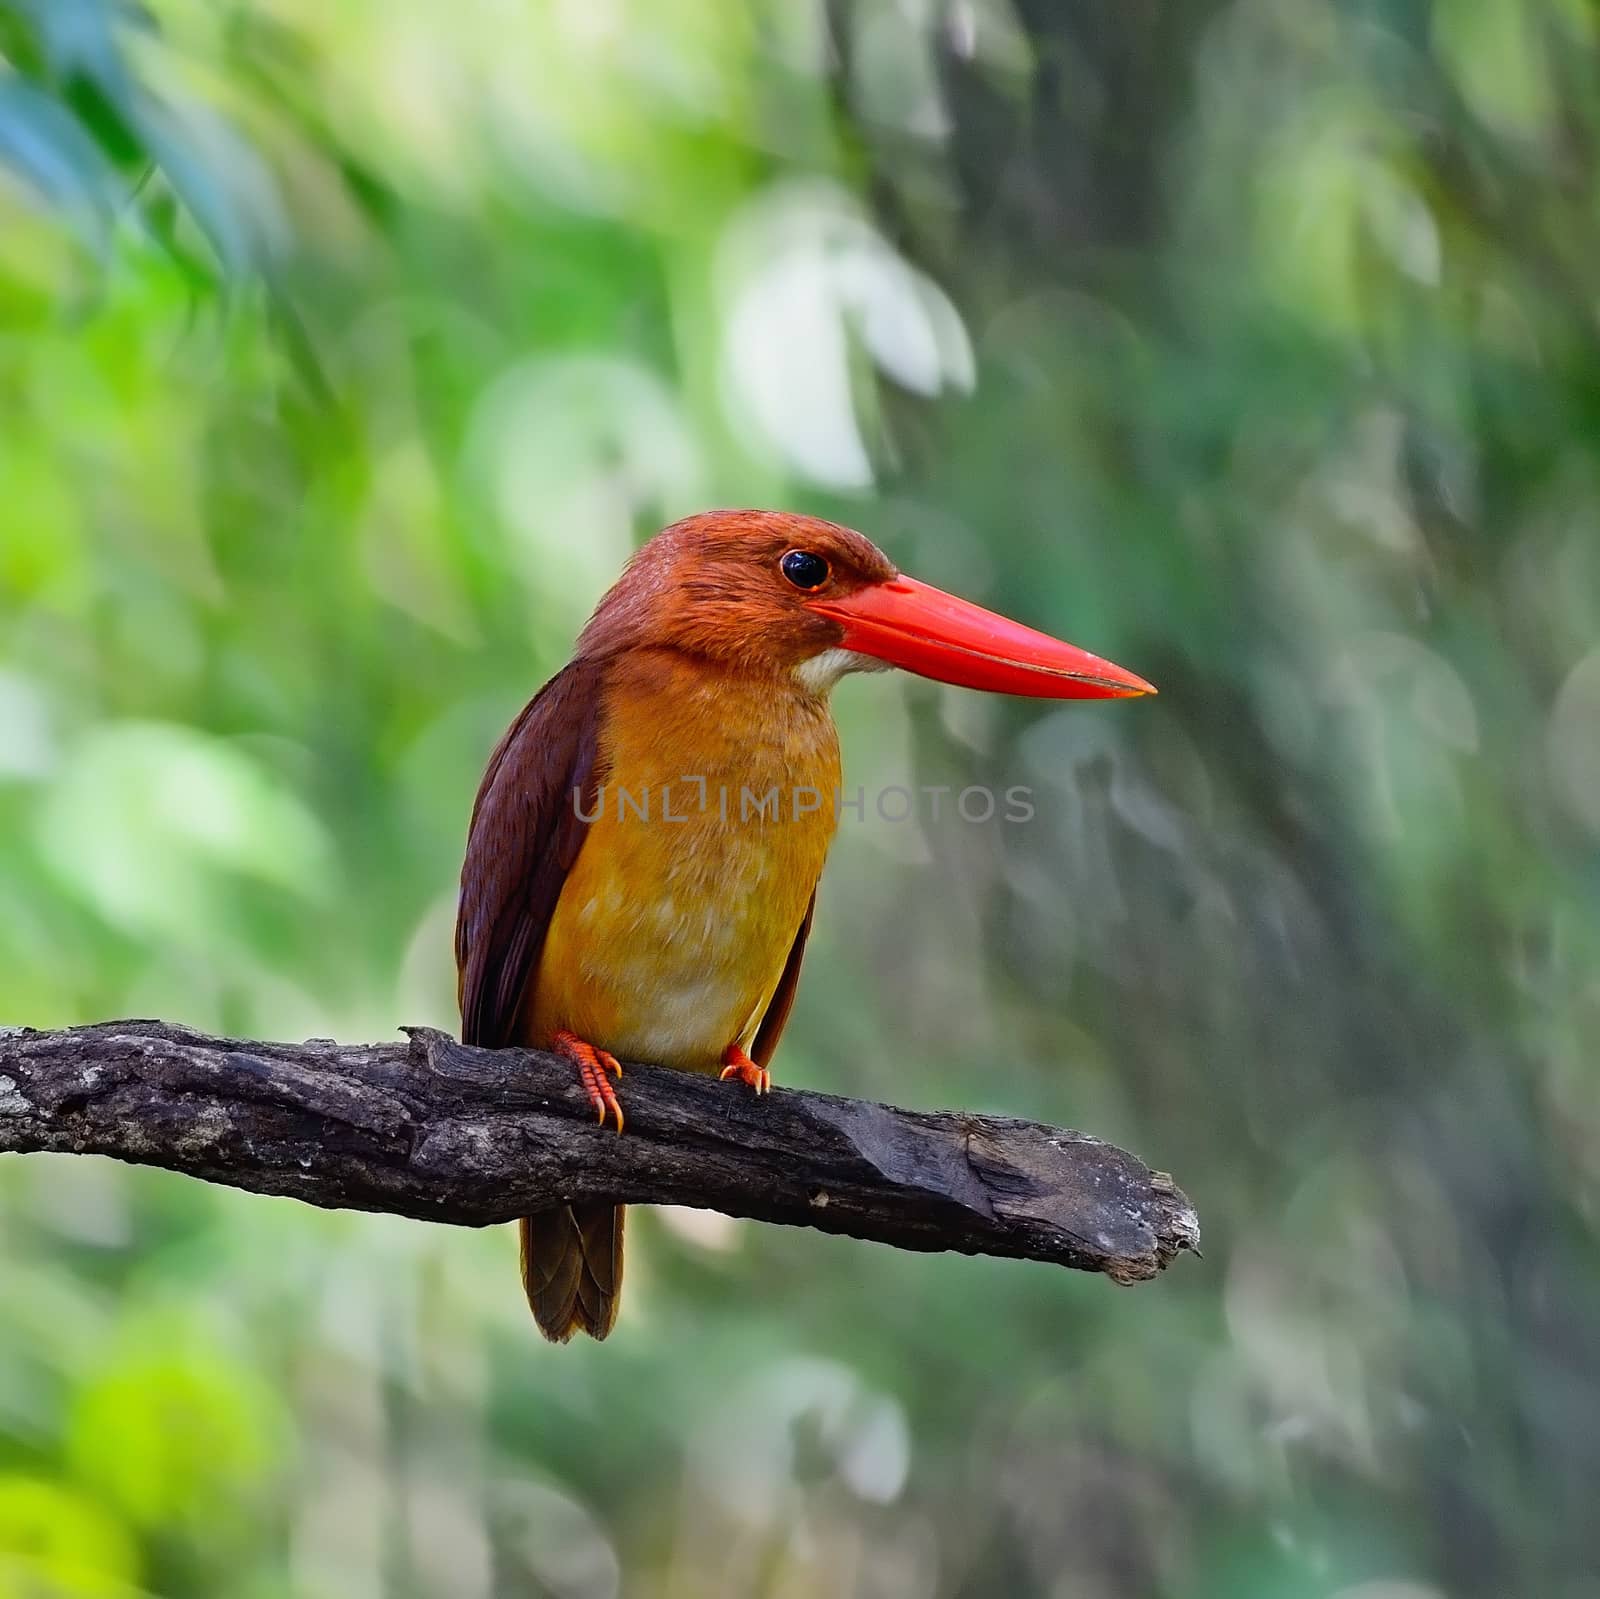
point(526, 832)
point(782, 1002)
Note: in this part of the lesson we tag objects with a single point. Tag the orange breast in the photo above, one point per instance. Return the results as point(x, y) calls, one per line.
point(710, 832)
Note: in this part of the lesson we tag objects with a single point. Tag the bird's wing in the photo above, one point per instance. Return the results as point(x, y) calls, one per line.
point(778, 1008)
point(526, 832)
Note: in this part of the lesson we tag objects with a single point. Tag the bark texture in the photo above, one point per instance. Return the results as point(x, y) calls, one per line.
point(433, 1129)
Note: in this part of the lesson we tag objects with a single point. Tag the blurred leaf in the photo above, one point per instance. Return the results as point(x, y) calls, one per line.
point(189, 809)
point(57, 1545)
point(48, 146)
point(184, 1437)
point(1496, 51)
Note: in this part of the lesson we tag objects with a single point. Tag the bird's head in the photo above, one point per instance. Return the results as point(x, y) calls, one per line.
point(770, 593)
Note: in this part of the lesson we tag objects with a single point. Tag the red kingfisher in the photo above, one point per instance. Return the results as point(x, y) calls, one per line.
point(594, 929)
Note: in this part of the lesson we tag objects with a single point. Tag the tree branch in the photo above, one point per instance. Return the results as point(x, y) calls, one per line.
point(439, 1131)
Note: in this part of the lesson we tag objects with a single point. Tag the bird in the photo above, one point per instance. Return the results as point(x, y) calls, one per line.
point(641, 868)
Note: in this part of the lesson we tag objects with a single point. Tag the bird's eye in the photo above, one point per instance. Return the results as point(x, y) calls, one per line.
point(804, 570)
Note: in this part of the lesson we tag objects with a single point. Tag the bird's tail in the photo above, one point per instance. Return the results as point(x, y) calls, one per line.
point(572, 1269)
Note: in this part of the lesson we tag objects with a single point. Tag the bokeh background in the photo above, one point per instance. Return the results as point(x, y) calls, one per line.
point(345, 351)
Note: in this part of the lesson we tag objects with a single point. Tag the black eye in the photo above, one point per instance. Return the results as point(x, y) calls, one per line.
point(804, 570)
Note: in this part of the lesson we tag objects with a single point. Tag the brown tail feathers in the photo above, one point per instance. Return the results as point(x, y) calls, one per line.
point(572, 1269)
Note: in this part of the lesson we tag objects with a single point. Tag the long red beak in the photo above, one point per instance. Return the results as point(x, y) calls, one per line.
point(934, 634)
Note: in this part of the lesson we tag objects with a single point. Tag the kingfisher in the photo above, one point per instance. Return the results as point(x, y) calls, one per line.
point(643, 857)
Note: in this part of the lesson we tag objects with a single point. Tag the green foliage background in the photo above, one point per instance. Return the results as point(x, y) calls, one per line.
point(345, 349)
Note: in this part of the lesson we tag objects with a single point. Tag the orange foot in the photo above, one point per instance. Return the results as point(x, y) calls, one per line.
point(741, 1066)
point(592, 1064)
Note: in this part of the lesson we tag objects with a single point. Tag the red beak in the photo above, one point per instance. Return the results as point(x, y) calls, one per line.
point(934, 634)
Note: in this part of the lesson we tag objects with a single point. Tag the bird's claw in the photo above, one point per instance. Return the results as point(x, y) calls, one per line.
point(740, 1065)
point(593, 1064)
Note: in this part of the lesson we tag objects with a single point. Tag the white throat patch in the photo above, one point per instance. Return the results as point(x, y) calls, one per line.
point(821, 672)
